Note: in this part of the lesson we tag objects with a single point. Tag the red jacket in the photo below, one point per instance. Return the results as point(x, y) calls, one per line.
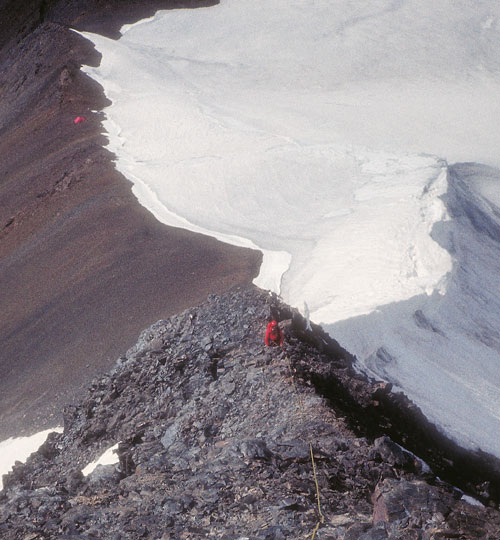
point(274, 334)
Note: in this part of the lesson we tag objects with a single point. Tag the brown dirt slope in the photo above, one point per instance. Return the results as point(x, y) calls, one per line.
point(83, 267)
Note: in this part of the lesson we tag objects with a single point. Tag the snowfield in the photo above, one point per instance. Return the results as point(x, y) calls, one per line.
point(20, 448)
point(355, 143)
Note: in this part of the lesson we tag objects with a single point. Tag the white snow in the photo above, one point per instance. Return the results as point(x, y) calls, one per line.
point(20, 448)
point(109, 457)
point(321, 133)
point(472, 501)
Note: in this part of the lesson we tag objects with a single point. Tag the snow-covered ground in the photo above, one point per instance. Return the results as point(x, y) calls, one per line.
point(322, 132)
point(108, 457)
point(20, 448)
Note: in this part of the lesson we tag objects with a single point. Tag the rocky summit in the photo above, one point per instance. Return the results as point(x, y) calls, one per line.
point(219, 436)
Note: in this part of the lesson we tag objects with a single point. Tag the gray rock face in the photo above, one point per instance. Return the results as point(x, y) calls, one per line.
point(401, 504)
point(215, 434)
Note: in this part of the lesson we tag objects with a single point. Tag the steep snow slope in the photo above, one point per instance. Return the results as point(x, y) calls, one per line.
point(444, 350)
point(310, 130)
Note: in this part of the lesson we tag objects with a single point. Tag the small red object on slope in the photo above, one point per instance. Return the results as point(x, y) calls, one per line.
point(274, 334)
point(79, 120)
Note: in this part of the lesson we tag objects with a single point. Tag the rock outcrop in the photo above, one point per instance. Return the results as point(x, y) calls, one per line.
point(221, 437)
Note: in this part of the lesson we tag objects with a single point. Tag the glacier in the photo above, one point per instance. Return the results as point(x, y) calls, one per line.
point(354, 143)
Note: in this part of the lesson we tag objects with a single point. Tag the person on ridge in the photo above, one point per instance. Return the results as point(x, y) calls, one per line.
point(274, 334)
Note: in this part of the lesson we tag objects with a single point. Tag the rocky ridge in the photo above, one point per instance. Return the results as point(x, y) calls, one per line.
point(215, 433)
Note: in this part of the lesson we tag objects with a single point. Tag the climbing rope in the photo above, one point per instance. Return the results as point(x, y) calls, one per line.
point(321, 517)
point(320, 513)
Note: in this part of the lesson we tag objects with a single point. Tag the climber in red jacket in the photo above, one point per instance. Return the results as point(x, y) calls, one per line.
point(274, 334)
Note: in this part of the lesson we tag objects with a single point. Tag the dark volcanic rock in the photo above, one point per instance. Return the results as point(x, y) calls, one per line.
point(215, 434)
point(410, 504)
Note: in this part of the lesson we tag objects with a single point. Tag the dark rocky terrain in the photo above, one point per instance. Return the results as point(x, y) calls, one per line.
point(214, 432)
point(83, 267)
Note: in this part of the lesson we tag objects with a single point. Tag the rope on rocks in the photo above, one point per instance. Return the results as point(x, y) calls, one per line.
point(320, 513)
point(321, 517)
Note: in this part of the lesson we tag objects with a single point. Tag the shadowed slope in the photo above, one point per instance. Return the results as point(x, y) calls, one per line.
point(83, 267)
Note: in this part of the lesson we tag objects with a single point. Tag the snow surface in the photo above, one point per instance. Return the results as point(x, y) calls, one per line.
point(20, 448)
point(470, 500)
point(109, 457)
point(321, 132)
